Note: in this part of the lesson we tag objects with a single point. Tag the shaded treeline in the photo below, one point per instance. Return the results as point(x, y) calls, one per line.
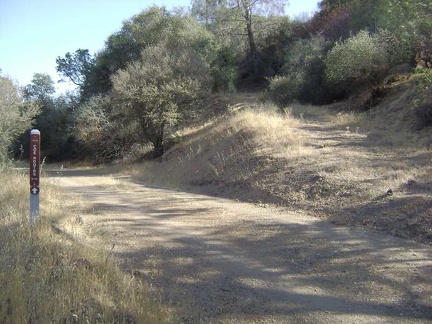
point(155, 73)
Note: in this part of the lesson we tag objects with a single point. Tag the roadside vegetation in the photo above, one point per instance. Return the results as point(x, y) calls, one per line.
point(329, 113)
point(361, 169)
point(48, 277)
point(153, 75)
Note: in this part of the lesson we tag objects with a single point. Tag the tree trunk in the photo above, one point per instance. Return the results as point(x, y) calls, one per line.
point(154, 134)
point(158, 147)
point(247, 14)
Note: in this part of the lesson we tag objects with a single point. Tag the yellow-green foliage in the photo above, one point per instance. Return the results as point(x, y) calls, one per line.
point(360, 59)
point(14, 117)
point(46, 277)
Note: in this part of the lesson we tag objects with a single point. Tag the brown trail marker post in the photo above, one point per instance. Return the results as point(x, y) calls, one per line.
point(34, 174)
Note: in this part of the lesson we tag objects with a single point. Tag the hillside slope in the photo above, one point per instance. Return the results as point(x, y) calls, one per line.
point(369, 169)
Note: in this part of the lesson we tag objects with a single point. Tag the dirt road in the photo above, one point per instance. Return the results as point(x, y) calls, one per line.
point(219, 260)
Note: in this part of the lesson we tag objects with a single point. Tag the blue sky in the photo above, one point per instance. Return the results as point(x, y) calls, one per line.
point(33, 33)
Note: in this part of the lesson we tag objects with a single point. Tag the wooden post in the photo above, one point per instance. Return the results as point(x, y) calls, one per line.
point(34, 174)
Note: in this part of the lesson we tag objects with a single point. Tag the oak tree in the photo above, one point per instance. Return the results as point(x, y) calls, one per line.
point(15, 116)
point(160, 89)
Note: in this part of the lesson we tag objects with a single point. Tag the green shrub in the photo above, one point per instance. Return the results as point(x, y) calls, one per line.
point(223, 69)
point(161, 90)
point(305, 58)
point(102, 135)
point(283, 90)
point(358, 62)
point(303, 74)
point(424, 98)
point(15, 117)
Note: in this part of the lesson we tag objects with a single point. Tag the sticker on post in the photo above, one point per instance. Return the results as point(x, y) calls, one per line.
point(34, 190)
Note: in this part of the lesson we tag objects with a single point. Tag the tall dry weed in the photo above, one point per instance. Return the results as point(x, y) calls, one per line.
point(229, 149)
point(308, 157)
point(269, 131)
point(47, 277)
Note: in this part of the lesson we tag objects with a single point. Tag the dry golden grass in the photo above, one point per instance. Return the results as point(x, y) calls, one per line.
point(333, 163)
point(48, 277)
point(328, 161)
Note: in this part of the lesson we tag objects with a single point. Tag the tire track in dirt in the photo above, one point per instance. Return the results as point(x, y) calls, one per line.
point(218, 260)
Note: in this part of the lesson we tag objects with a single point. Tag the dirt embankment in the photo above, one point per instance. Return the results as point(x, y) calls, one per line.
point(369, 170)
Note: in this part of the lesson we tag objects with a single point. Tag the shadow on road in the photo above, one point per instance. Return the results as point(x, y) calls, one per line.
point(220, 260)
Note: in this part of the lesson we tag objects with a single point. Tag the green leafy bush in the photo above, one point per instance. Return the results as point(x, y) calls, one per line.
point(303, 74)
point(358, 62)
point(102, 135)
point(160, 90)
point(306, 59)
point(424, 100)
point(283, 90)
point(15, 117)
point(223, 69)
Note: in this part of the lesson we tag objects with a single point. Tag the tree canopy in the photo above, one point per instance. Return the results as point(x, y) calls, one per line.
point(160, 89)
point(75, 66)
point(151, 73)
point(15, 116)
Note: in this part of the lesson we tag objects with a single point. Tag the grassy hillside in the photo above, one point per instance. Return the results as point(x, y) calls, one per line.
point(368, 169)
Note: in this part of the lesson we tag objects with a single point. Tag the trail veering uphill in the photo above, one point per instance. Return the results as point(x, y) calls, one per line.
point(219, 260)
